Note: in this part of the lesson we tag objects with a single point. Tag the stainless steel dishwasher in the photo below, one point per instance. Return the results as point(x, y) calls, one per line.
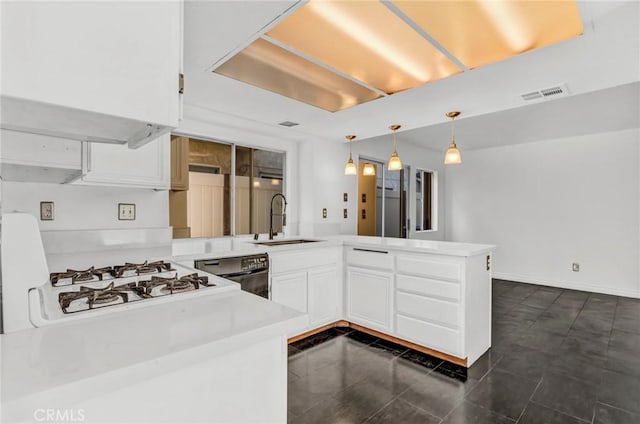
point(251, 271)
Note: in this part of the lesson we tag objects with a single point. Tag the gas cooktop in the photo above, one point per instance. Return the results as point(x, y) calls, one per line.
point(94, 291)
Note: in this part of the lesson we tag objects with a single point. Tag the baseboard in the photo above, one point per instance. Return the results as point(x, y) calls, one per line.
point(566, 285)
point(406, 343)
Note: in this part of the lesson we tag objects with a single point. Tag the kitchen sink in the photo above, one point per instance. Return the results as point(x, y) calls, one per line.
point(284, 242)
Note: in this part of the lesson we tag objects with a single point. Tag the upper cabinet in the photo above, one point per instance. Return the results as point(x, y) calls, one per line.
point(114, 165)
point(92, 71)
point(179, 163)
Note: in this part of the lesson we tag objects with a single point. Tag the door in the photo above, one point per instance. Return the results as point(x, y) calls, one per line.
point(369, 298)
point(290, 290)
point(382, 200)
point(324, 290)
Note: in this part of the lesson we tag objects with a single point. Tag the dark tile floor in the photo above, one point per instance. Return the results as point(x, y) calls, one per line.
point(558, 356)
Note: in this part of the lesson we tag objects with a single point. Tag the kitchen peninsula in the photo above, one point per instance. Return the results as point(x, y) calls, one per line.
point(432, 296)
point(198, 360)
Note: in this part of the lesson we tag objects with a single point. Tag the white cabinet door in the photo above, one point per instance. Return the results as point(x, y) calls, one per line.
point(369, 298)
point(324, 290)
point(117, 165)
point(290, 290)
point(117, 58)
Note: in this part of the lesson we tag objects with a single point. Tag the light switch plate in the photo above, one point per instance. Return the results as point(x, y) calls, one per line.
point(46, 211)
point(126, 211)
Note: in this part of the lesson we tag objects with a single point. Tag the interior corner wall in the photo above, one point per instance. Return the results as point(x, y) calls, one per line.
point(322, 184)
point(548, 204)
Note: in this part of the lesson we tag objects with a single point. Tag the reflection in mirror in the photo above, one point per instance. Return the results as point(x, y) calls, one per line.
point(425, 187)
point(382, 207)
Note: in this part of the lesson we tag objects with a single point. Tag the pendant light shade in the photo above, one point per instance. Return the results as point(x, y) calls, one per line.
point(395, 164)
point(368, 169)
point(350, 167)
point(452, 156)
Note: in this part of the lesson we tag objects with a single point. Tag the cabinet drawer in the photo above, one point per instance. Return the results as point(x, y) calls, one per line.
point(380, 259)
point(429, 335)
point(287, 261)
point(440, 268)
point(428, 308)
point(428, 287)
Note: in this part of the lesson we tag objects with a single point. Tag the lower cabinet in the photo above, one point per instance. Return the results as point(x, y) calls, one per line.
point(323, 289)
point(369, 298)
point(309, 281)
point(290, 290)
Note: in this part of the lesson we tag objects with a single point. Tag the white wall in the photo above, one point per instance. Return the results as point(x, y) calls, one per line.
point(551, 203)
point(80, 207)
point(322, 183)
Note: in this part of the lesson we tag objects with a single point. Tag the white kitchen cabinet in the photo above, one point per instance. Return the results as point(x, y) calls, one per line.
point(290, 290)
point(324, 288)
point(90, 63)
point(309, 277)
point(116, 165)
point(38, 158)
point(369, 298)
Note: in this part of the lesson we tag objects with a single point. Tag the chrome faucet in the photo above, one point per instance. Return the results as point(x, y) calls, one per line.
point(283, 214)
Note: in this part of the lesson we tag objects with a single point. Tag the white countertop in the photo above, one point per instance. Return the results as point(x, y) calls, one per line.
point(136, 344)
point(186, 250)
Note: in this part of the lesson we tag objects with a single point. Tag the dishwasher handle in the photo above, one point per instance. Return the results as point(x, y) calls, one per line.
point(241, 273)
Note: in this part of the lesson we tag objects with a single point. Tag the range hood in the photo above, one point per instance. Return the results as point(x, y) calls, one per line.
point(33, 117)
point(27, 157)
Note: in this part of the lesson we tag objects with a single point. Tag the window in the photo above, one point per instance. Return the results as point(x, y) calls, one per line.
point(426, 182)
point(229, 191)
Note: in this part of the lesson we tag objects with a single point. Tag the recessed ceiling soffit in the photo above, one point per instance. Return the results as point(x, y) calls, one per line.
point(336, 54)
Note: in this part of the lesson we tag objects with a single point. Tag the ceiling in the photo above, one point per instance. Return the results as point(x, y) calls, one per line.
point(597, 68)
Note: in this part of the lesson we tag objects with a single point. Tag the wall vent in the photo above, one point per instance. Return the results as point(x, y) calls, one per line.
point(288, 124)
point(558, 90)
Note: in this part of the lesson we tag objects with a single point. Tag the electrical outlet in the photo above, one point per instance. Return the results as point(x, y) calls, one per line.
point(344, 213)
point(345, 197)
point(46, 211)
point(126, 211)
point(575, 267)
point(324, 213)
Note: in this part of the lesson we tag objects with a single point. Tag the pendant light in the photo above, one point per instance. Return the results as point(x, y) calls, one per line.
point(395, 164)
point(350, 167)
point(368, 169)
point(452, 155)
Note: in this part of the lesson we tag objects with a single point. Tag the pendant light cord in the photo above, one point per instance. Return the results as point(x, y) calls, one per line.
point(453, 130)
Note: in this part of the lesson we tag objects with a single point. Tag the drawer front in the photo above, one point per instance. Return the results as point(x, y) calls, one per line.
point(428, 287)
point(430, 335)
point(431, 266)
point(429, 309)
point(293, 261)
point(381, 259)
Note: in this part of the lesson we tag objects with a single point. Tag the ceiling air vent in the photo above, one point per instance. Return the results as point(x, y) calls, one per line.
point(288, 124)
point(559, 90)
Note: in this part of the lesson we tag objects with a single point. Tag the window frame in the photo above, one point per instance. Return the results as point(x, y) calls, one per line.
point(232, 175)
